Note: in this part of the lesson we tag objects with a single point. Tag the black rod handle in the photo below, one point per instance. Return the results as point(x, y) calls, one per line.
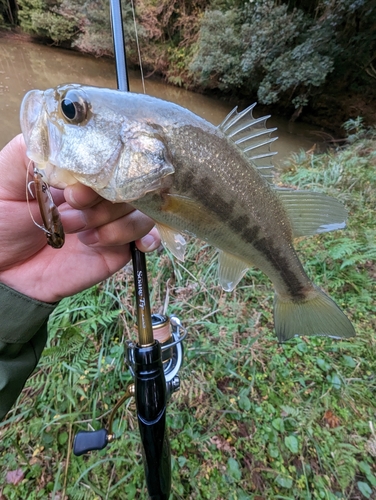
point(151, 400)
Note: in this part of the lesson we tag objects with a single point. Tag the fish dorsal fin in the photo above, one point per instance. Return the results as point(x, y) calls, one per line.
point(230, 270)
point(311, 213)
point(252, 137)
point(172, 240)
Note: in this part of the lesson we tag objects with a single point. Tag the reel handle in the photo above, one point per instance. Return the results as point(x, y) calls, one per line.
point(86, 441)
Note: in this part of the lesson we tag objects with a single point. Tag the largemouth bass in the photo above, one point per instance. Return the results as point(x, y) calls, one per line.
point(190, 177)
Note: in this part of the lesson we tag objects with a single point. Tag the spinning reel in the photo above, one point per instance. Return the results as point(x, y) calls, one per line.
point(154, 362)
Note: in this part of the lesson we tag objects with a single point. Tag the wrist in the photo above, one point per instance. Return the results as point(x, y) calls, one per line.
point(25, 289)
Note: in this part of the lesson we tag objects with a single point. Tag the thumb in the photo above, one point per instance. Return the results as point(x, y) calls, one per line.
point(13, 166)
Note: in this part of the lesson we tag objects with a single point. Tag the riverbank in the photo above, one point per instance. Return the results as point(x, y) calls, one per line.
point(328, 109)
point(25, 65)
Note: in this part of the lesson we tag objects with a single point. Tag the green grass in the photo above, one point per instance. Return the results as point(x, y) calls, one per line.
point(253, 419)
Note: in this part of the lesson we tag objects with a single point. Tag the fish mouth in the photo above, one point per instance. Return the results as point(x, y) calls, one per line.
point(33, 118)
point(43, 139)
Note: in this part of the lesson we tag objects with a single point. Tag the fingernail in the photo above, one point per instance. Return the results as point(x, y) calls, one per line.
point(69, 195)
point(149, 243)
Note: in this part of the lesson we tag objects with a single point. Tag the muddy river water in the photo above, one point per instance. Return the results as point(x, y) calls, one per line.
point(25, 65)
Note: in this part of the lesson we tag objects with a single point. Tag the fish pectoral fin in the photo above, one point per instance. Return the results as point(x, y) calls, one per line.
point(230, 270)
point(311, 213)
point(185, 207)
point(172, 240)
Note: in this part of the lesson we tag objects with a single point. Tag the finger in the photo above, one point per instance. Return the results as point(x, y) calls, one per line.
point(57, 196)
point(54, 275)
point(13, 165)
point(80, 197)
point(20, 237)
point(100, 214)
point(132, 227)
point(150, 242)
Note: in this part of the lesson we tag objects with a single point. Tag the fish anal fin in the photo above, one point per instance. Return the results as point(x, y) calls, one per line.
point(230, 270)
point(316, 315)
point(310, 212)
point(172, 240)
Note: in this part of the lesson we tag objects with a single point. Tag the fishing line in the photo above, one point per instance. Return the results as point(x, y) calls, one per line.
point(138, 47)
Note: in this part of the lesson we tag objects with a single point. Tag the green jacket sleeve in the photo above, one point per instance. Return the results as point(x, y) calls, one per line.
point(23, 335)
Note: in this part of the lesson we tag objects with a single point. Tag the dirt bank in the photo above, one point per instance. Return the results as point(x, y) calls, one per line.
point(331, 108)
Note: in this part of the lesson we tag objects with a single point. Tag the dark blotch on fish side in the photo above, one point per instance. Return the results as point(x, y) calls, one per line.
point(243, 226)
point(249, 234)
point(205, 189)
point(272, 254)
point(222, 208)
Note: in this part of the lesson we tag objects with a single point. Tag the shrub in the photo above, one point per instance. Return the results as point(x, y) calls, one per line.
point(283, 51)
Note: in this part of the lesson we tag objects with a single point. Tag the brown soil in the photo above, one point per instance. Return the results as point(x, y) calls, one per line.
point(332, 108)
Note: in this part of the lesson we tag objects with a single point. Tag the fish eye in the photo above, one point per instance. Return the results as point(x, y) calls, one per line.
point(74, 107)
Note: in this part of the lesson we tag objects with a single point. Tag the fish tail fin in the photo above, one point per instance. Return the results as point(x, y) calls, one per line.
point(315, 315)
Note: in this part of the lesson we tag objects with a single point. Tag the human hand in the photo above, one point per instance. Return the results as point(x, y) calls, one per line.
point(98, 234)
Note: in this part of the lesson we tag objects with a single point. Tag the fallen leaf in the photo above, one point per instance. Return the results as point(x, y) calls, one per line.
point(331, 419)
point(370, 446)
point(14, 476)
point(38, 450)
point(35, 460)
point(222, 444)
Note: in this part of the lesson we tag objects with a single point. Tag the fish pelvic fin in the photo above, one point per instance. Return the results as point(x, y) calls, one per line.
point(252, 137)
point(172, 240)
point(318, 315)
point(311, 212)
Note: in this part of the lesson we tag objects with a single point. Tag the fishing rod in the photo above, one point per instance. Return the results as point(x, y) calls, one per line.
point(155, 360)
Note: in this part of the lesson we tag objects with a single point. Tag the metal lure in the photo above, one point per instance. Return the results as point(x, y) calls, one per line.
point(52, 225)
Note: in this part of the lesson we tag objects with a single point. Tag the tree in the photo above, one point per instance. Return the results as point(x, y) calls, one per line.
point(284, 50)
